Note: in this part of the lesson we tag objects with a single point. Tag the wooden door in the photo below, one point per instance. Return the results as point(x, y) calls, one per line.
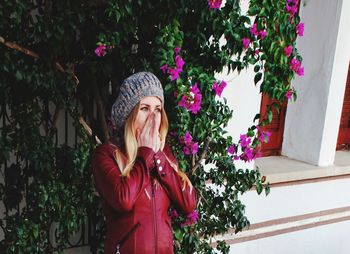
point(276, 127)
point(344, 127)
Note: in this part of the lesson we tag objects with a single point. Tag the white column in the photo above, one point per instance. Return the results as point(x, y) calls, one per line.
point(312, 122)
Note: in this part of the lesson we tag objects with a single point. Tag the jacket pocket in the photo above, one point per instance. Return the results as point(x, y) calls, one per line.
point(125, 237)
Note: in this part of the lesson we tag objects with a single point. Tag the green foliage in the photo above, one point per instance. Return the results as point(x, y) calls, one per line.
point(59, 70)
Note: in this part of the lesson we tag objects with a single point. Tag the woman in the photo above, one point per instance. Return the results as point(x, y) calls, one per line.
point(136, 173)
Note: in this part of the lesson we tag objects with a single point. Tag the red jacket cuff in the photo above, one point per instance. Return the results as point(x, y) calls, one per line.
point(146, 154)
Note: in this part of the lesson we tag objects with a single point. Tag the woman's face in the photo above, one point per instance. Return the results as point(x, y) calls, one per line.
point(147, 106)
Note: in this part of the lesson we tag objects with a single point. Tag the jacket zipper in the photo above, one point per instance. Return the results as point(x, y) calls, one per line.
point(125, 237)
point(154, 219)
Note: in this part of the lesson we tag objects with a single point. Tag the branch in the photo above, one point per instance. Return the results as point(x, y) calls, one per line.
point(100, 111)
point(202, 197)
point(15, 46)
point(88, 129)
point(28, 52)
point(203, 155)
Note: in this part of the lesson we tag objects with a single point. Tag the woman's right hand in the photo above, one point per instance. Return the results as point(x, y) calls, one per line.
point(149, 135)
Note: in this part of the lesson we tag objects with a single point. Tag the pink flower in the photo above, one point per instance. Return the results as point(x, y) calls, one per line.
point(174, 73)
point(288, 51)
point(295, 64)
point(254, 30)
point(289, 94)
point(231, 149)
point(174, 214)
point(300, 29)
point(291, 9)
point(256, 52)
point(248, 154)
point(214, 4)
point(262, 34)
point(219, 88)
point(300, 71)
point(265, 135)
point(292, 6)
point(194, 148)
point(190, 146)
point(179, 63)
point(187, 138)
point(192, 101)
point(244, 140)
point(101, 50)
point(183, 102)
point(196, 99)
point(186, 150)
point(177, 50)
point(194, 89)
point(246, 42)
point(191, 218)
point(164, 68)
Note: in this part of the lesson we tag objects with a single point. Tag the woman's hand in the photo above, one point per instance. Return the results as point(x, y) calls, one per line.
point(149, 135)
point(157, 120)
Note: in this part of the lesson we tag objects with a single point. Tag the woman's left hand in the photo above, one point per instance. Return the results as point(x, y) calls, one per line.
point(156, 135)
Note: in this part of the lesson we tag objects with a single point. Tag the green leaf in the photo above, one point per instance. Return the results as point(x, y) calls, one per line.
point(256, 68)
point(179, 235)
point(269, 116)
point(276, 106)
point(256, 117)
point(257, 77)
point(258, 188)
point(250, 133)
point(35, 231)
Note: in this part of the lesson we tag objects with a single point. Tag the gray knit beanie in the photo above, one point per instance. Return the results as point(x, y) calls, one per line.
point(132, 90)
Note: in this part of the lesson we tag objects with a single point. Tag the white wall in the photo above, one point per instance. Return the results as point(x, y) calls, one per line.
point(297, 200)
point(301, 199)
point(328, 239)
point(312, 122)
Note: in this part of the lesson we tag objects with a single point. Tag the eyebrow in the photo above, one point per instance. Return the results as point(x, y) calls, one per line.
point(144, 104)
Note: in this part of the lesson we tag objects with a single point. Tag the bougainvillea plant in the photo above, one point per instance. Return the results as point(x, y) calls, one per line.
point(71, 57)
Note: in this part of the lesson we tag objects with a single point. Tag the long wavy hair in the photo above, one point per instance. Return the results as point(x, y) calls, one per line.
point(127, 159)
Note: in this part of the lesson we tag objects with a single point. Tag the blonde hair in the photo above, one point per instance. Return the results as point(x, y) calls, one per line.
point(126, 161)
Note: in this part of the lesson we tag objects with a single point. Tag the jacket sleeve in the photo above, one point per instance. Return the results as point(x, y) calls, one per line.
point(182, 196)
point(118, 191)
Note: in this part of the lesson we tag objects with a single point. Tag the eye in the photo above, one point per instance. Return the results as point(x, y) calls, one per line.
point(144, 109)
point(158, 110)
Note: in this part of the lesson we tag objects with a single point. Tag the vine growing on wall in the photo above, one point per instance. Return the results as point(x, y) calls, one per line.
point(71, 56)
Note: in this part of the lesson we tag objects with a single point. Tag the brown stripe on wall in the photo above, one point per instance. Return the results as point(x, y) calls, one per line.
point(302, 181)
point(298, 217)
point(305, 181)
point(289, 229)
point(286, 230)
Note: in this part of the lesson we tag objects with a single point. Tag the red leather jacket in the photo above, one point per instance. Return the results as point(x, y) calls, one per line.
point(136, 207)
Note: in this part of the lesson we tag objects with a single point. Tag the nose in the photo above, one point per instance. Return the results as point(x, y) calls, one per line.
point(150, 113)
